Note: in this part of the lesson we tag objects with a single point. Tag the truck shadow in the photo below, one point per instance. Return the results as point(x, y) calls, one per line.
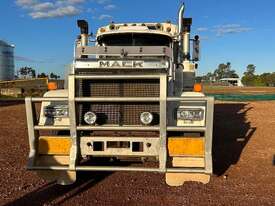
point(232, 131)
point(53, 194)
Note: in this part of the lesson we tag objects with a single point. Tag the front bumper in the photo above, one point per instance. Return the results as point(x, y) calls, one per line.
point(158, 145)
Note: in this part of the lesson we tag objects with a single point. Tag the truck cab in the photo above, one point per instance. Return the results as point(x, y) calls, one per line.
point(130, 96)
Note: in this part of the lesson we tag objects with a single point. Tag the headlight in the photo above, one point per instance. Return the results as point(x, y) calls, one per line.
point(56, 111)
point(146, 118)
point(90, 118)
point(192, 114)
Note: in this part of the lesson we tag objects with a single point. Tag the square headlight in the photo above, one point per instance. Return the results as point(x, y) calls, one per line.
point(192, 114)
point(56, 111)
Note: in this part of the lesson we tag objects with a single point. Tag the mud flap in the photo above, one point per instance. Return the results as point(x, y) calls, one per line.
point(178, 179)
point(59, 176)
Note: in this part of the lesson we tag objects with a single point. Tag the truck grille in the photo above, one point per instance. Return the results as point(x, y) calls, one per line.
point(119, 88)
point(119, 113)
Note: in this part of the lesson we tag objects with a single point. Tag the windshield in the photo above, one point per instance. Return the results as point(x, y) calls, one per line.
point(134, 39)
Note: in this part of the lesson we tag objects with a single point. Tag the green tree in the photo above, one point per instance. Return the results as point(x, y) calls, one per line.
point(27, 72)
point(225, 71)
point(42, 75)
point(250, 70)
point(54, 76)
point(251, 79)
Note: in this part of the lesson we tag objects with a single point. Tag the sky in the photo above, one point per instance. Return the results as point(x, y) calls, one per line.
point(236, 31)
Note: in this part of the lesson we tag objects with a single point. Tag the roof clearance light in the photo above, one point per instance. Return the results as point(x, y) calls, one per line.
point(102, 30)
point(158, 26)
point(168, 29)
point(112, 27)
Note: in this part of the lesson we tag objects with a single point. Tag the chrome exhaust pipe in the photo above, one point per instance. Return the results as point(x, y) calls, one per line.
point(180, 18)
point(180, 30)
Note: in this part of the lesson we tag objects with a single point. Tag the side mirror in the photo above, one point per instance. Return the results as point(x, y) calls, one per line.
point(196, 48)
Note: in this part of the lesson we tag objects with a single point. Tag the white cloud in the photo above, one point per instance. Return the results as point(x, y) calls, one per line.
point(58, 12)
point(38, 9)
point(101, 1)
point(110, 7)
point(203, 38)
point(24, 3)
point(105, 16)
point(68, 2)
point(222, 30)
point(75, 1)
point(27, 59)
point(202, 29)
point(43, 6)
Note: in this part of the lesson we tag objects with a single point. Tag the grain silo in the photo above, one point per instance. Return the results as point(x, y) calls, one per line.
point(6, 61)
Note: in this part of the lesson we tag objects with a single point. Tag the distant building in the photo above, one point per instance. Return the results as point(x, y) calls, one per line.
point(232, 81)
point(6, 61)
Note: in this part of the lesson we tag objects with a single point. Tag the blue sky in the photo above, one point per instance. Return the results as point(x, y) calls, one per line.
point(238, 31)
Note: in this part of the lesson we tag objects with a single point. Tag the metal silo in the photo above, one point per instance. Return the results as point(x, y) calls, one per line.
point(6, 61)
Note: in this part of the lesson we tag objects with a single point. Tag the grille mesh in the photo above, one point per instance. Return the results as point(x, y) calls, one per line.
point(119, 88)
point(119, 114)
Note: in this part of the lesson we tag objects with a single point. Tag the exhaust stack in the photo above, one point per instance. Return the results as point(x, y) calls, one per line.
point(84, 31)
point(184, 25)
point(180, 28)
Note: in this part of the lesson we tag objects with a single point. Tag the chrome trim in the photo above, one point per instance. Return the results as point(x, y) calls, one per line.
point(73, 132)
point(122, 128)
point(117, 99)
point(117, 76)
point(163, 122)
point(116, 168)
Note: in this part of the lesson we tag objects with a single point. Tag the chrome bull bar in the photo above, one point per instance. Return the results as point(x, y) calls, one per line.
point(163, 128)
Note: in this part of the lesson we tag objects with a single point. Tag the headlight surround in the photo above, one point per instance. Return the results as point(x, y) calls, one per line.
point(57, 111)
point(90, 118)
point(192, 114)
point(146, 118)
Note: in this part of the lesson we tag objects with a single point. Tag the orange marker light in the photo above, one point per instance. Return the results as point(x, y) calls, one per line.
point(197, 87)
point(52, 86)
point(102, 30)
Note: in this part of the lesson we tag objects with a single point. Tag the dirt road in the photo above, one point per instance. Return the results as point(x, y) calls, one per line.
point(244, 145)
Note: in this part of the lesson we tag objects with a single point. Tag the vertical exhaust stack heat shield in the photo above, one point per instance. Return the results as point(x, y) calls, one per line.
point(184, 26)
point(188, 73)
point(187, 22)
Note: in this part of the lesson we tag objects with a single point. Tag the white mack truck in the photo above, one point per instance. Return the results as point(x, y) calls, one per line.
point(131, 97)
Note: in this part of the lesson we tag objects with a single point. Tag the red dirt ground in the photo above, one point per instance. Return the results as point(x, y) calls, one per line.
point(244, 149)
